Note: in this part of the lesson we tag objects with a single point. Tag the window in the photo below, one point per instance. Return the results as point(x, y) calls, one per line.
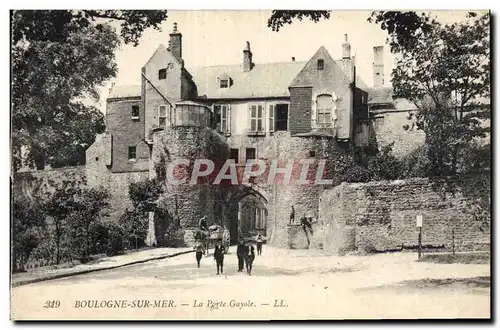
point(312, 153)
point(379, 122)
point(222, 118)
point(135, 112)
point(224, 83)
point(250, 153)
point(162, 74)
point(281, 117)
point(162, 116)
point(235, 155)
point(321, 64)
point(359, 128)
point(260, 219)
point(131, 153)
point(324, 106)
point(272, 112)
point(256, 117)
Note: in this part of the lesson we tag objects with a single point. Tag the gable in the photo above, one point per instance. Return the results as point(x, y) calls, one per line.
point(311, 76)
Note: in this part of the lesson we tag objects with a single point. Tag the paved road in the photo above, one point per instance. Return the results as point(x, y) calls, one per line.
point(284, 284)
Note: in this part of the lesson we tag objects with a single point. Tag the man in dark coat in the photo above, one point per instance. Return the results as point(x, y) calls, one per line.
point(219, 256)
point(292, 216)
point(241, 252)
point(203, 223)
point(250, 257)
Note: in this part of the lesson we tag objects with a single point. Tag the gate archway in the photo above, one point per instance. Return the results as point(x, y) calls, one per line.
point(248, 209)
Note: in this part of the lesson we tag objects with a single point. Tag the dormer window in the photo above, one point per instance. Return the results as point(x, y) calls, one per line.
point(321, 64)
point(162, 74)
point(224, 80)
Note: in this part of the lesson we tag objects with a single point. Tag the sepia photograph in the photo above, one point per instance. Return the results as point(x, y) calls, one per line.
point(187, 165)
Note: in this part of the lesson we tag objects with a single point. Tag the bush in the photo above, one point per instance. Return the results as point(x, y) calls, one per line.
point(115, 244)
point(135, 228)
point(107, 238)
point(384, 165)
point(357, 173)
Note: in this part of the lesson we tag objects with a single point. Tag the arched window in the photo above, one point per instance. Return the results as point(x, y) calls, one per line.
point(324, 109)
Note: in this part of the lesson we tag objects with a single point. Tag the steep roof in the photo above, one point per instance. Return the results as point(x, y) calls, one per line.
point(264, 80)
point(380, 95)
point(125, 91)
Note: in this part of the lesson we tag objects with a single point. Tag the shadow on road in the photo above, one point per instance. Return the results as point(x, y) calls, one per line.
point(473, 285)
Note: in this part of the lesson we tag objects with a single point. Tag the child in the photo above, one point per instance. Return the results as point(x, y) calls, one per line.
point(219, 256)
point(241, 253)
point(259, 240)
point(200, 250)
point(249, 257)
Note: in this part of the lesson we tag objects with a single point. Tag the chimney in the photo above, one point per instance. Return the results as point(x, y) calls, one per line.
point(346, 48)
point(247, 58)
point(378, 67)
point(293, 59)
point(175, 44)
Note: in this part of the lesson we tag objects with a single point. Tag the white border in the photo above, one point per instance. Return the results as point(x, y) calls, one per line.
point(185, 4)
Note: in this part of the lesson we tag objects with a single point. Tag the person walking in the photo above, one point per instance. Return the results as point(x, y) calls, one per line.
point(259, 241)
point(219, 256)
point(241, 252)
point(200, 250)
point(292, 216)
point(202, 224)
point(250, 257)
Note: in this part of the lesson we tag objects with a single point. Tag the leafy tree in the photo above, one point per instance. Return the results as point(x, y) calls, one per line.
point(90, 205)
point(59, 206)
point(135, 227)
point(445, 70)
point(281, 17)
point(59, 59)
point(144, 194)
point(384, 165)
point(27, 222)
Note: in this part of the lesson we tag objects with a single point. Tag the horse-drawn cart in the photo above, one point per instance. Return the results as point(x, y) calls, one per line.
point(218, 233)
point(210, 237)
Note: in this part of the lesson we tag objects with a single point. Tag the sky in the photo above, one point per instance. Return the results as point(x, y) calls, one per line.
point(217, 37)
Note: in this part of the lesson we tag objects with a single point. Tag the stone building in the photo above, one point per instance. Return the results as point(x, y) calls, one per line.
point(319, 109)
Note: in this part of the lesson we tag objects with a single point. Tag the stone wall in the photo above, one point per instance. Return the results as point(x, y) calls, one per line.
point(388, 128)
point(304, 198)
point(32, 185)
point(381, 216)
point(187, 202)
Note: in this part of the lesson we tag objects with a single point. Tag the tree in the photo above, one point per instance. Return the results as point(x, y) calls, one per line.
point(59, 59)
point(27, 221)
point(90, 205)
point(144, 194)
point(135, 227)
point(281, 17)
point(384, 165)
point(444, 70)
point(59, 206)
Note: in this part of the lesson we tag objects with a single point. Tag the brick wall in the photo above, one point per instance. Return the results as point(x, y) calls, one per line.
point(126, 132)
point(381, 216)
point(300, 110)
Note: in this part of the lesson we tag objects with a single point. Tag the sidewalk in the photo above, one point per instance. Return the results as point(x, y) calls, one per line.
point(46, 273)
